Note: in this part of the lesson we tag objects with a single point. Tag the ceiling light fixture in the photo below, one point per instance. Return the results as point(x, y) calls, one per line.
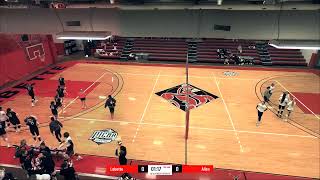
point(295, 44)
point(84, 35)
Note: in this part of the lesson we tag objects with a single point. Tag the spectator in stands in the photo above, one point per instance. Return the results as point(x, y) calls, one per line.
point(251, 47)
point(121, 152)
point(240, 49)
point(220, 53)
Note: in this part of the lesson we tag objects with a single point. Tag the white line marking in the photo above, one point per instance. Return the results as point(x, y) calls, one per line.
point(227, 110)
point(145, 109)
point(191, 127)
point(83, 91)
point(297, 99)
point(204, 77)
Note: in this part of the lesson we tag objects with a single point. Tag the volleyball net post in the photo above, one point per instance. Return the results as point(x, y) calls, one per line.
point(187, 110)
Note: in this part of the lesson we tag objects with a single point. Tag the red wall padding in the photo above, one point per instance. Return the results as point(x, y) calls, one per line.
point(14, 62)
point(60, 48)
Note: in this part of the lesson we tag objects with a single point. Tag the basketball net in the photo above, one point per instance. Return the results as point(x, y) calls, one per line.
point(42, 58)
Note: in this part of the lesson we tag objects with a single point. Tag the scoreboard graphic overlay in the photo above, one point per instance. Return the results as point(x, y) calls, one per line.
point(161, 169)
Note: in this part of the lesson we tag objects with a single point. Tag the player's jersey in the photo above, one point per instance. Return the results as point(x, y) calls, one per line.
point(60, 92)
point(2, 126)
point(69, 144)
point(31, 122)
point(61, 81)
point(12, 115)
point(53, 107)
point(30, 90)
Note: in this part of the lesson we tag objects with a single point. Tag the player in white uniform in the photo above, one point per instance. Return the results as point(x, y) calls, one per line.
point(290, 106)
point(4, 123)
point(283, 101)
point(261, 107)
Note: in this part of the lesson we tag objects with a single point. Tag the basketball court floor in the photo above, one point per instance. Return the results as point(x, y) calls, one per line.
point(150, 116)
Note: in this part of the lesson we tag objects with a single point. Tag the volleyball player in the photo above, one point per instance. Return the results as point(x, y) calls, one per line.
point(54, 109)
point(261, 107)
point(33, 124)
point(82, 97)
point(68, 145)
point(267, 94)
point(3, 120)
point(14, 120)
point(110, 103)
point(61, 81)
point(283, 101)
point(290, 106)
point(271, 88)
point(55, 128)
point(60, 92)
point(31, 94)
point(57, 101)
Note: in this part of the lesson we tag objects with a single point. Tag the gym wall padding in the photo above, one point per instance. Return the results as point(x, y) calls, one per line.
point(14, 60)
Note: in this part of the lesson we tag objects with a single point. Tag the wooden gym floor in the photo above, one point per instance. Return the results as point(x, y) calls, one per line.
point(222, 132)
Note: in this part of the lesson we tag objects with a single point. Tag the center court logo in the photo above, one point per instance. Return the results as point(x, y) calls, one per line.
point(103, 136)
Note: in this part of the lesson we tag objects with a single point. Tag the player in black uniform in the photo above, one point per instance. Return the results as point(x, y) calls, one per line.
point(61, 82)
point(3, 120)
point(54, 109)
point(31, 94)
point(111, 104)
point(61, 92)
point(14, 120)
point(32, 122)
point(55, 128)
point(57, 100)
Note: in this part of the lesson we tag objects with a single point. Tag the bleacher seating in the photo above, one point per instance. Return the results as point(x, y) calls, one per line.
point(286, 57)
point(159, 49)
point(207, 50)
point(119, 43)
point(176, 49)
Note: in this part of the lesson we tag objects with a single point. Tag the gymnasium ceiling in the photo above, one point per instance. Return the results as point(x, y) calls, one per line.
point(172, 4)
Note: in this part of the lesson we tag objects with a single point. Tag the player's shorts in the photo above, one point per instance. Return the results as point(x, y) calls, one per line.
point(54, 112)
point(34, 131)
point(2, 132)
point(111, 109)
point(82, 99)
point(281, 107)
point(266, 99)
point(32, 95)
point(14, 121)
